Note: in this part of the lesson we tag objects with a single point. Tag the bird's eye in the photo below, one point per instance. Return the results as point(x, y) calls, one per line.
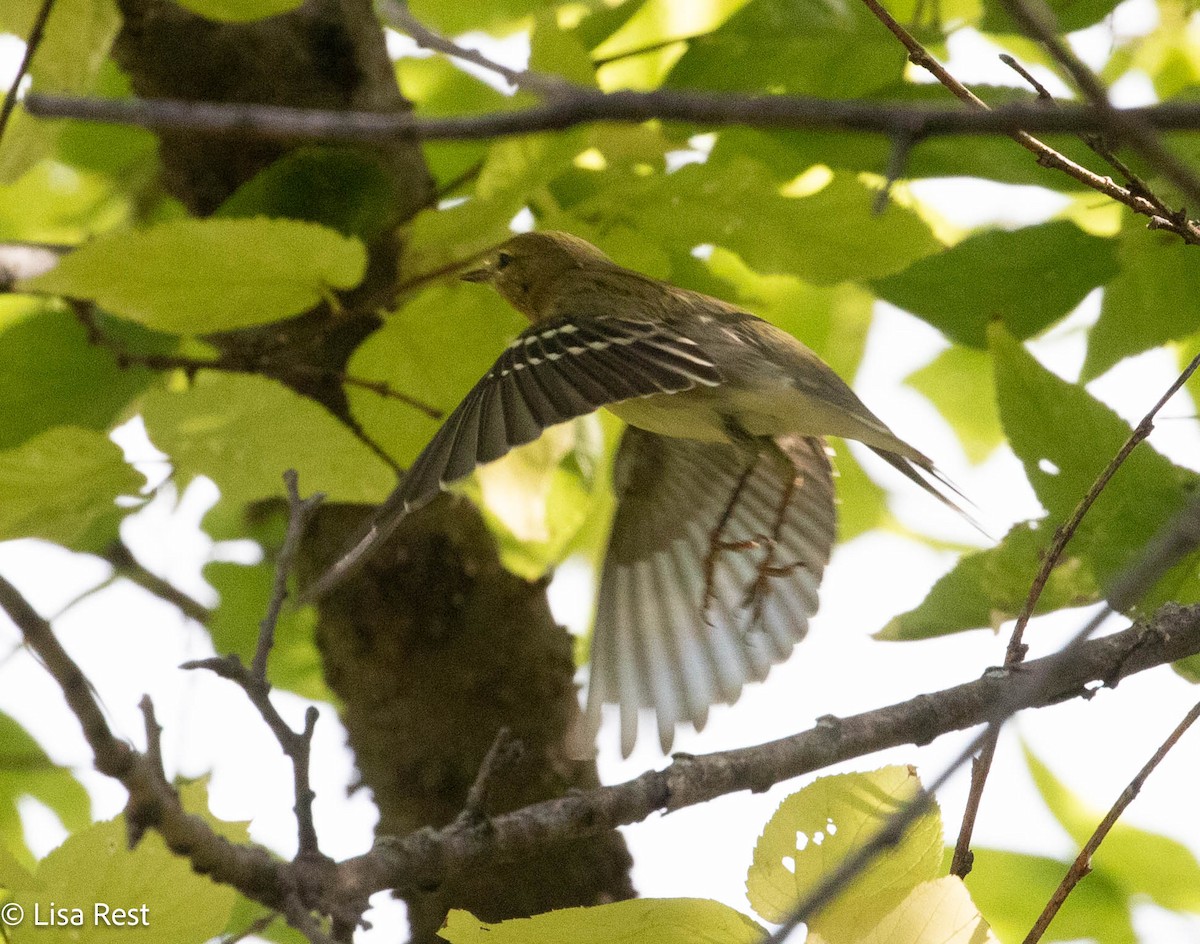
point(503, 260)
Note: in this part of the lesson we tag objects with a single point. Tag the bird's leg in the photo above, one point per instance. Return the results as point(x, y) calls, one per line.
point(756, 593)
point(716, 540)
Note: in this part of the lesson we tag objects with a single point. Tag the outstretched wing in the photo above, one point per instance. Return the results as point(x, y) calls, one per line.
point(658, 643)
point(552, 372)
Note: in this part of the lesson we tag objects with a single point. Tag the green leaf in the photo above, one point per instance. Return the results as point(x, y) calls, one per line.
point(988, 587)
point(239, 11)
point(959, 383)
point(76, 41)
point(1025, 279)
point(13, 875)
point(640, 921)
point(653, 23)
point(1135, 860)
point(499, 16)
point(1012, 888)
point(538, 497)
point(61, 486)
point(200, 276)
point(95, 868)
point(935, 912)
point(26, 771)
point(1070, 15)
point(801, 47)
point(789, 153)
point(1064, 437)
point(1151, 301)
point(243, 432)
point(341, 188)
point(738, 205)
point(51, 375)
point(437, 87)
point(435, 348)
point(815, 829)
point(245, 591)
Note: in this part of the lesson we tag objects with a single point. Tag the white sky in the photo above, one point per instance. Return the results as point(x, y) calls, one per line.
point(1094, 746)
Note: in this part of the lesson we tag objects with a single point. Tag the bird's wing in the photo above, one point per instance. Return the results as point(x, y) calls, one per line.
point(657, 642)
point(552, 372)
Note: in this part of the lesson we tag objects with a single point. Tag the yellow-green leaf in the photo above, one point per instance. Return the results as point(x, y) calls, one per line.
point(61, 486)
point(199, 276)
point(641, 921)
point(936, 912)
point(815, 829)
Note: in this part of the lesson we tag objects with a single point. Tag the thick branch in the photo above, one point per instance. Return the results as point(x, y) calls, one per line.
point(582, 105)
point(426, 857)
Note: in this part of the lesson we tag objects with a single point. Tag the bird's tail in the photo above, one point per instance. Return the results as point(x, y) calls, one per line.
point(921, 470)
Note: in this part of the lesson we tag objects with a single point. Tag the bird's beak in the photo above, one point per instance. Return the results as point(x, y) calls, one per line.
point(482, 274)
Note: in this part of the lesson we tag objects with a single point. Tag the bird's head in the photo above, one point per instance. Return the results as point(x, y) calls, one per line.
point(524, 269)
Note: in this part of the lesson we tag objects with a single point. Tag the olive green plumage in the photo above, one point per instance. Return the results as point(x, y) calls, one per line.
point(721, 479)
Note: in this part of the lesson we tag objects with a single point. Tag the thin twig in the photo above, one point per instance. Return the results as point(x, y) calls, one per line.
point(1096, 142)
point(1046, 155)
point(300, 512)
point(1040, 22)
point(1083, 862)
point(253, 681)
point(1015, 654)
point(193, 365)
point(31, 46)
point(399, 17)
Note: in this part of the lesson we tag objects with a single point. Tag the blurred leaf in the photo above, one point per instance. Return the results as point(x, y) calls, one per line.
point(1025, 279)
point(862, 504)
point(13, 875)
point(935, 912)
point(436, 87)
point(1070, 15)
point(50, 375)
point(95, 866)
point(1151, 301)
point(640, 921)
point(67, 60)
point(243, 432)
point(816, 828)
point(1065, 438)
point(655, 23)
point(53, 205)
point(738, 205)
point(435, 348)
point(803, 47)
point(959, 383)
point(559, 52)
point(993, 157)
point(1135, 860)
point(341, 188)
point(497, 16)
point(1012, 888)
point(239, 11)
point(26, 771)
point(61, 486)
point(116, 151)
point(539, 496)
point(199, 276)
point(988, 587)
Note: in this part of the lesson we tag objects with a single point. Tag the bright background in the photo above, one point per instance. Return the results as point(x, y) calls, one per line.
point(1094, 746)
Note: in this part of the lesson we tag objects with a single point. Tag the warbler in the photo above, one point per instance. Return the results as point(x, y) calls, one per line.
point(725, 514)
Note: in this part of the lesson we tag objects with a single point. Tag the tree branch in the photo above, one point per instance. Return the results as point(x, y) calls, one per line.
point(584, 105)
point(36, 32)
point(426, 857)
point(1083, 862)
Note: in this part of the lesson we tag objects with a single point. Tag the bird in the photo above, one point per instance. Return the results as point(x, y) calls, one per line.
point(725, 505)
